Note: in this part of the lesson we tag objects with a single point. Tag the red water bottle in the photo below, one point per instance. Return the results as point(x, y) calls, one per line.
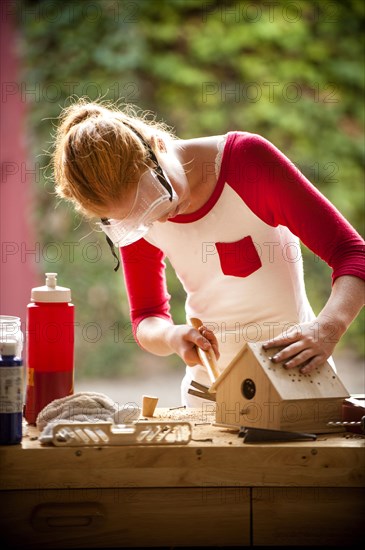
point(49, 346)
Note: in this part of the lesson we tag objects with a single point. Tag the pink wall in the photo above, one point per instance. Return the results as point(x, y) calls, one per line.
point(18, 270)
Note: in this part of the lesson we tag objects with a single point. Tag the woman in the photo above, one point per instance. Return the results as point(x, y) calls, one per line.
point(229, 212)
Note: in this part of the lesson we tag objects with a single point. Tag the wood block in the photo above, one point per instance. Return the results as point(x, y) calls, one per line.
point(149, 405)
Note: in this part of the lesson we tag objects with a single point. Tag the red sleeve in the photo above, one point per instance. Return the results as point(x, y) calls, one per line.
point(144, 275)
point(278, 193)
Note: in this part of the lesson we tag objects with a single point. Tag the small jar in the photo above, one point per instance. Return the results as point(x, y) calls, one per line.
point(11, 394)
point(10, 329)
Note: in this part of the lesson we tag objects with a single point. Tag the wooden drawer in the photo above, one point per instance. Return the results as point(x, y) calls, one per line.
point(298, 516)
point(79, 518)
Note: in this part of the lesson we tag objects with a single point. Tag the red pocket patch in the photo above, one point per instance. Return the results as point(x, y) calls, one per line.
point(239, 258)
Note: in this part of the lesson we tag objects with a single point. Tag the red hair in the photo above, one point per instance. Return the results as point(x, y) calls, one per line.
point(97, 157)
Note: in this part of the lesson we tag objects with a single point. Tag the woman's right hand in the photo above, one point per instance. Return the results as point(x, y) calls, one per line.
point(184, 339)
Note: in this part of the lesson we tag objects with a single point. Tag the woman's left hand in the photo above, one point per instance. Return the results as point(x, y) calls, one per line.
point(306, 345)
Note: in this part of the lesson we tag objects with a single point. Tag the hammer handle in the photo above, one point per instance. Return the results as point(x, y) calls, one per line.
point(207, 357)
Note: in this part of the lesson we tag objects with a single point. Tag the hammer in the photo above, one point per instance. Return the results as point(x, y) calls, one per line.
point(207, 357)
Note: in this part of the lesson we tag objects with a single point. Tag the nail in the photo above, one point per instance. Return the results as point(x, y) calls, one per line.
point(201, 423)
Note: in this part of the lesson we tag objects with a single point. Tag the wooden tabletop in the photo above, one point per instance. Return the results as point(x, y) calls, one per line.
point(215, 456)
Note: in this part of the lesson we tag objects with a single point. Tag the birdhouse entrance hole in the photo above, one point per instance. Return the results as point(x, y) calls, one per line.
point(248, 388)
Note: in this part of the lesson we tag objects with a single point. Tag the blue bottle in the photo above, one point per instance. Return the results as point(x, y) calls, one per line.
point(11, 394)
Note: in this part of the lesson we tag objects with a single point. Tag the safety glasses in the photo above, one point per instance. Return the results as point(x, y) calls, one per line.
point(152, 203)
point(155, 197)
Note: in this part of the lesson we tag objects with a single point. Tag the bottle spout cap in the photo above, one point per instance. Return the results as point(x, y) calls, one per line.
point(51, 280)
point(50, 292)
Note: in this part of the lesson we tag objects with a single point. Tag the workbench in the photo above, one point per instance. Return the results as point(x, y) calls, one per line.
point(215, 491)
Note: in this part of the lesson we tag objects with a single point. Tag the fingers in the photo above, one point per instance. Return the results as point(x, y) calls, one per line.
point(293, 354)
point(210, 336)
point(301, 348)
point(312, 364)
point(191, 340)
point(307, 360)
point(284, 339)
point(299, 360)
point(201, 337)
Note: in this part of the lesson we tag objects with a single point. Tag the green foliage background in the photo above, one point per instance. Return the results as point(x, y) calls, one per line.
point(291, 71)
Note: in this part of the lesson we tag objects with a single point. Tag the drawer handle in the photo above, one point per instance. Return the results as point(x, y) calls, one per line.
point(52, 516)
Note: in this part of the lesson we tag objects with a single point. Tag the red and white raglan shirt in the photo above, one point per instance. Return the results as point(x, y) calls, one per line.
point(238, 257)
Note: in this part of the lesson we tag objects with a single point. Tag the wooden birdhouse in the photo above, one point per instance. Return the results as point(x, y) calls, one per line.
point(254, 392)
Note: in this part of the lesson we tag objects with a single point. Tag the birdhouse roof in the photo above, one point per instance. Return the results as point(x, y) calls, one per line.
point(289, 383)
